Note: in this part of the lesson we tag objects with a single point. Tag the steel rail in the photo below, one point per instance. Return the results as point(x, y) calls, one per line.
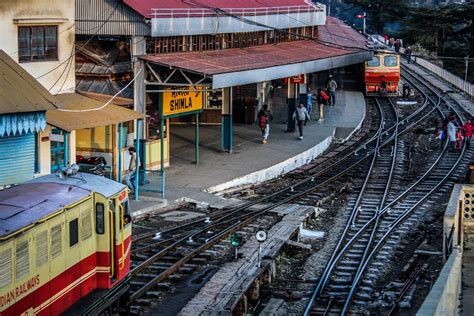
point(408, 212)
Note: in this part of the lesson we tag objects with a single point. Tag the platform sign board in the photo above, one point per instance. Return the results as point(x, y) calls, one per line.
point(182, 101)
point(297, 79)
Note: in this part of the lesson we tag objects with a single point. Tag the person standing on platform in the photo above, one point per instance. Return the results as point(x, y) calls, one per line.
point(408, 54)
point(302, 116)
point(132, 167)
point(331, 86)
point(322, 99)
point(309, 103)
point(385, 39)
point(263, 118)
point(468, 129)
point(397, 45)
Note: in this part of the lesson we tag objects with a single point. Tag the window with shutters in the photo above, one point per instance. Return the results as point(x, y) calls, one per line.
point(41, 248)
point(56, 241)
point(86, 224)
point(73, 232)
point(37, 43)
point(5, 268)
point(22, 259)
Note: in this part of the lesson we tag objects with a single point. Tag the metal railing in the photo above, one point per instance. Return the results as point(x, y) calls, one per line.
point(211, 12)
point(456, 81)
point(150, 181)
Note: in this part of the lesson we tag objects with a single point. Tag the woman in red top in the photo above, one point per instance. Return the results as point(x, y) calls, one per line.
point(468, 129)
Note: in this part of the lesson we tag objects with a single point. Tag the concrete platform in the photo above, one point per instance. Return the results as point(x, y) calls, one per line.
point(251, 161)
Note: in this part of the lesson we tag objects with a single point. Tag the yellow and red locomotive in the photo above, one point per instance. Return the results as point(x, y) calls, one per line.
point(382, 74)
point(64, 245)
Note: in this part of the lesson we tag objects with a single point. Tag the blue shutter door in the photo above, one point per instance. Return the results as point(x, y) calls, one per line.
point(17, 158)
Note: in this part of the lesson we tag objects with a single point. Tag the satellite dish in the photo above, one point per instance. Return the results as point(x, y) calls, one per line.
point(261, 236)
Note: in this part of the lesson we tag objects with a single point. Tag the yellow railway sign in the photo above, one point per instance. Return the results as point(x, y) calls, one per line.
point(183, 102)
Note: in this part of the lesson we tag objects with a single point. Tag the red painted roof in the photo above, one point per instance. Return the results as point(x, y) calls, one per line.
point(337, 32)
point(144, 7)
point(233, 60)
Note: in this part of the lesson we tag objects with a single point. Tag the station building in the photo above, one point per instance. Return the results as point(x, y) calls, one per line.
point(44, 122)
point(212, 63)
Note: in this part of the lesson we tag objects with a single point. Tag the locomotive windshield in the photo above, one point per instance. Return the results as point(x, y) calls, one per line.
point(374, 62)
point(390, 61)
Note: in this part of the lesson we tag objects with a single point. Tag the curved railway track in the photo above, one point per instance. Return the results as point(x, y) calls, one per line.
point(372, 233)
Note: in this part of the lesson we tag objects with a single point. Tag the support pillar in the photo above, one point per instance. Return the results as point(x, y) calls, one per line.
point(138, 156)
point(292, 100)
point(120, 156)
point(227, 119)
point(197, 138)
point(162, 155)
point(66, 149)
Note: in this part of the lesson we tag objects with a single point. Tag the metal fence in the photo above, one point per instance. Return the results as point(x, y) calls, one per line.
point(456, 81)
point(150, 181)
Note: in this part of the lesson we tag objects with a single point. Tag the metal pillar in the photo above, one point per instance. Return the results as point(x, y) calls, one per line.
point(292, 99)
point(119, 145)
point(197, 138)
point(162, 157)
point(227, 119)
point(66, 149)
point(137, 159)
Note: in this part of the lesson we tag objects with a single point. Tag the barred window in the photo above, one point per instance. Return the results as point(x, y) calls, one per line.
point(86, 224)
point(5, 268)
point(56, 241)
point(37, 43)
point(22, 259)
point(41, 248)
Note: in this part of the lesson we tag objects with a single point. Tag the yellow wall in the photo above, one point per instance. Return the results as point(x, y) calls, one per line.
point(95, 139)
point(45, 12)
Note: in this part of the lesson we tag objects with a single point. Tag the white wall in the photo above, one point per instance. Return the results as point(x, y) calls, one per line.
point(14, 13)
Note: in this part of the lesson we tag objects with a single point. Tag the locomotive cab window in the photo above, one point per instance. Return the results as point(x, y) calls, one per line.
point(99, 218)
point(126, 212)
point(73, 232)
point(374, 62)
point(390, 61)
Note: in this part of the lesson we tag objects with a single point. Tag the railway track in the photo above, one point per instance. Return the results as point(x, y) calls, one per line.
point(374, 231)
point(156, 260)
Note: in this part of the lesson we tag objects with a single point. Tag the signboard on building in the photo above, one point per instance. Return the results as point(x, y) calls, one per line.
point(297, 79)
point(182, 101)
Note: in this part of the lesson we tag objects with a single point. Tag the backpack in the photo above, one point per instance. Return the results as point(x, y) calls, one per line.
point(263, 120)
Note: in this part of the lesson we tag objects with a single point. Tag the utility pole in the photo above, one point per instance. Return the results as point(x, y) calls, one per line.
point(329, 8)
point(364, 23)
point(467, 67)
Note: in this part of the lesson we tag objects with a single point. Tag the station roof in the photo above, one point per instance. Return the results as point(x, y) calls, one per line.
point(337, 45)
point(25, 204)
point(145, 7)
point(19, 91)
point(87, 113)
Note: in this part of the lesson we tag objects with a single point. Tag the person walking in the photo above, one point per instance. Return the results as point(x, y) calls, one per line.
point(302, 116)
point(397, 45)
point(132, 167)
point(441, 135)
point(459, 139)
point(451, 133)
point(468, 130)
point(263, 118)
point(331, 86)
point(322, 99)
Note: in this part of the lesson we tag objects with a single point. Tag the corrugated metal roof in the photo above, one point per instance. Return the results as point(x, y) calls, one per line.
point(25, 204)
point(69, 121)
point(19, 91)
point(337, 32)
point(233, 60)
point(145, 7)
point(86, 181)
point(108, 17)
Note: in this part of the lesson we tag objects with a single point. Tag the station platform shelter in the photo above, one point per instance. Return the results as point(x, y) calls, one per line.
point(250, 161)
